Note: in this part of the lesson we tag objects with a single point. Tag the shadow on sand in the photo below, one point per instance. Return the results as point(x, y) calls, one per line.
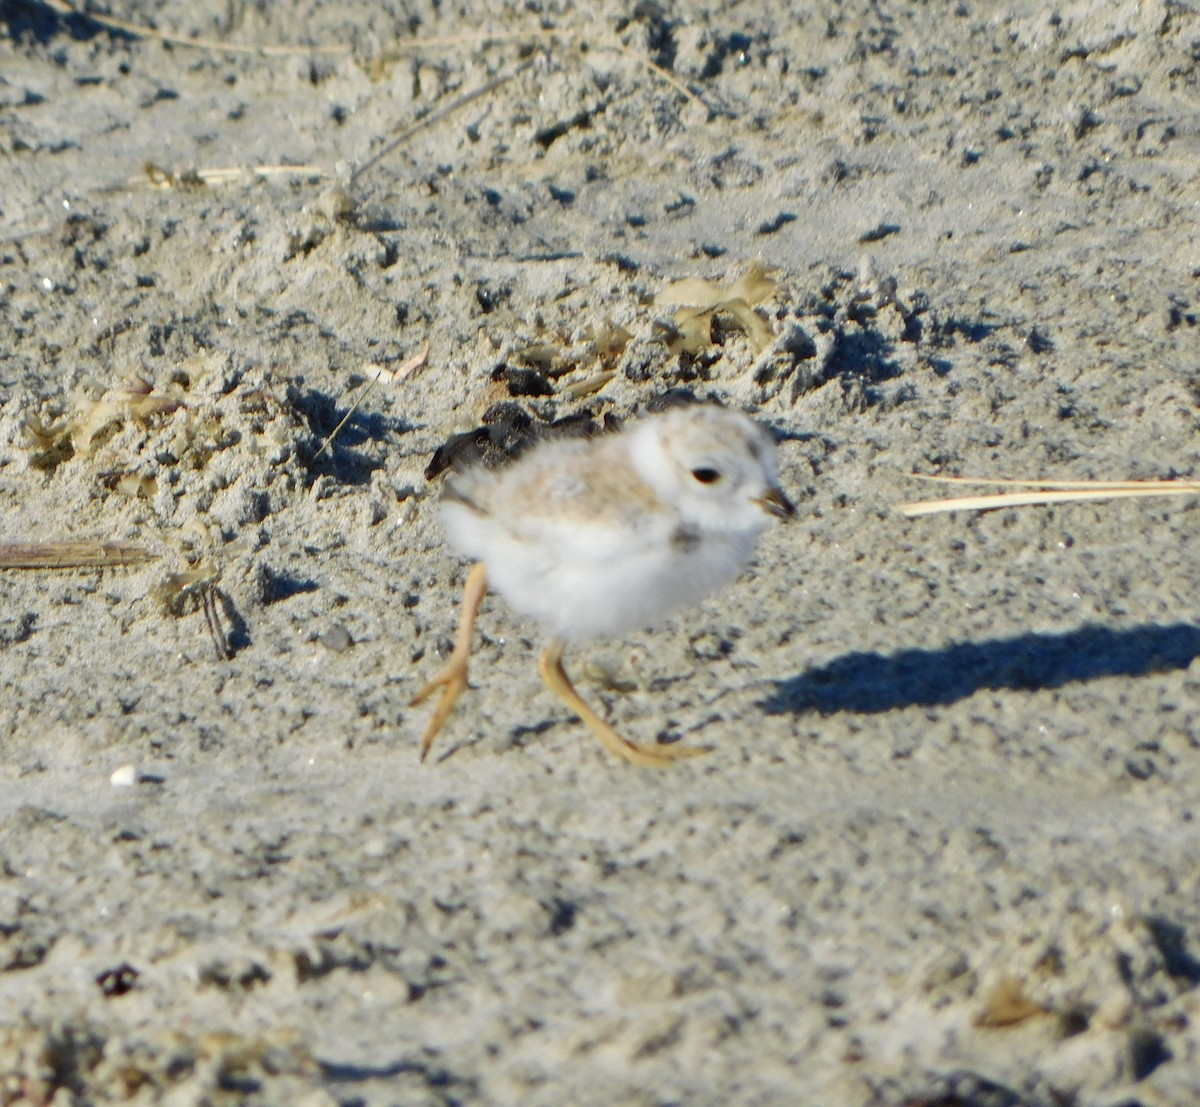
point(875, 682)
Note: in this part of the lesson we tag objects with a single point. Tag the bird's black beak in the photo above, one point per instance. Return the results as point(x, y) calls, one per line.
point(774, 502)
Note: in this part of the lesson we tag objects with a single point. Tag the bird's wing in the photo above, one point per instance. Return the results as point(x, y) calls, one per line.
point(590, 507)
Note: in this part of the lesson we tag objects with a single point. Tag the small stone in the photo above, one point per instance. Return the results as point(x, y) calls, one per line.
point(337, 638)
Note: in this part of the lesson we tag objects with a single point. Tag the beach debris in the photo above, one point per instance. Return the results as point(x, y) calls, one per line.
point(124, 776)
point(1023, 493)
point(702, 301)
point(72, 555)
point(1007, 1004)
point(91, 418)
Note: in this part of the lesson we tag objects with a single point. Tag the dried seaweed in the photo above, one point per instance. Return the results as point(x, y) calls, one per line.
point(702, 301)
point(91, 419)
point(606, 344)
point(1007, 1004)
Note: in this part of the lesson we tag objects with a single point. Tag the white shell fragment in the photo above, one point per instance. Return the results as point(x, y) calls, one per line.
point(124, 777)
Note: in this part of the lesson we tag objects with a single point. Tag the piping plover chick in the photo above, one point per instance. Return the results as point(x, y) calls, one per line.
point(601, 536)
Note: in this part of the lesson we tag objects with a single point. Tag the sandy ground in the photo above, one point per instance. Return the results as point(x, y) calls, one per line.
point(944, 851)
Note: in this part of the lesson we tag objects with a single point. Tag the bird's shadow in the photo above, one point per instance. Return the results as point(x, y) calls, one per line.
point(876, 682)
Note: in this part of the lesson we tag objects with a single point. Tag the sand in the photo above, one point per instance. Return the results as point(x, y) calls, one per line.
point(943, 851)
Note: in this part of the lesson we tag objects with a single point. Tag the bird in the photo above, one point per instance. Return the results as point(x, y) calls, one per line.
point(596, 537)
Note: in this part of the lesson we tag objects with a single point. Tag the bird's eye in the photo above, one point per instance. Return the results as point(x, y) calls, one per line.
point(706, 476)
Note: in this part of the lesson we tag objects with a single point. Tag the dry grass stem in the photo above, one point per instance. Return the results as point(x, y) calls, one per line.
point(72, 555)
point(1066, 485)
point(1038, 492)
point(156, 176)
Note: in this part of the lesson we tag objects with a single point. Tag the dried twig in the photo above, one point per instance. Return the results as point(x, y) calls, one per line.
point(72, 555)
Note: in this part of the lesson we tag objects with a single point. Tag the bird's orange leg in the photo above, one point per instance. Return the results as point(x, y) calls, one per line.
point(550, 666)
point(452, 679)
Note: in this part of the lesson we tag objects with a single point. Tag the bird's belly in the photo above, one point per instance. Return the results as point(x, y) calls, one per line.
point(583, 599)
